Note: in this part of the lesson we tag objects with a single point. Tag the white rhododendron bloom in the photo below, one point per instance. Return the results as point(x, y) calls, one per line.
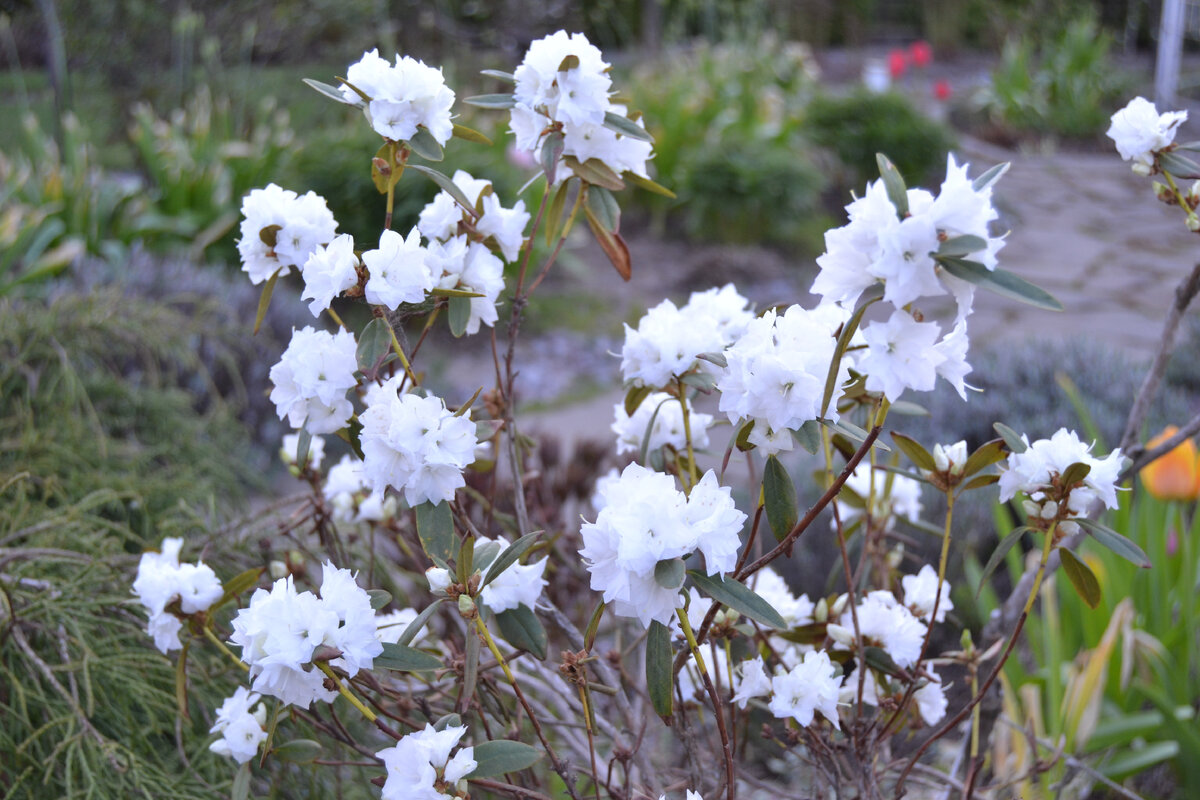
point(519, 585)
point(398, 272)
point(921, 592)
point(505, 226)
point(810, 687)
point(291, 445)
point(311, 380)
point(280, 630)
point(885, 623)
point(443, 219)
point(931, 699)
point(415, 445)
point(775, 373)
point(241, 721)
point(1033, 471)
point(161, 581)
point(752, 682)
point(330, 270)
point(421, 761)
point(770, 586)
point(722, 308)
point(950, 458)
point(404, 96)
point(577, 94)
point(665, 345)
point(1140, 132)
point(645, 520)
point(901, 355)
point(891, 497)
point(352, 498)
point(661, 415)
point(296, 224)
point(620, 152)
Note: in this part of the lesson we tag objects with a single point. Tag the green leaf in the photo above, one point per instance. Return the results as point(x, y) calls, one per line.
point(999, 281)
point(779, 498)
point(510, 555)
point(485, 554)
point(908, 408)
point(447, 721)
point(670, 573)
point(962, 245)
point(379, 598)
point(238, 584)
point(264, 299)
point(595, 172)
point(988, 178)
point(424, 145)
point(1115, 542)
point(589, 636)
point(1082, 577)
point(568, 63)
point(1134, 760)
point(1075, 473)
point(554, 216)
point(444, 181)
point(332, 92)
point(871, 295)
point(999, 553)
point(298, 751)
point(742, 440)
point(1011, 438)
point(435, 527)
point(627, 127)
point(988, 453)
point(366, 98)
point(418, 623)
point(647, 184)
point(714, 358)
point(809, 435)
point(521, 628)
point(552, 149)
point(878, 658)
point(604, 207)
point(706, 382)
point(240, 788)
point(501, 756)
point(915, 451)
point(893, 181)
point(402, 658)
point(459, 315)
point(634, 398)
point(612, 244)
point(491, 101)
point(351, 435)
point(303, 443)
point(507, 77)
point(1179, 165)
point(980, 481)
point(739, 597)
point(455, 293)
point(658, 668)
point(470, 135)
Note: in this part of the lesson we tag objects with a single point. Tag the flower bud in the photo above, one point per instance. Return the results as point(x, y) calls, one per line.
point(821, 613)
point(439, 579)
point(1163, 193)
point(1068, 528)
point(466, 606)
point(1032, 509)
point(843, 636)
point(1141, 169)
point(278, 570)
point(895, 556)
point(839, 606)
point(1049, 510)
point(1193, 223)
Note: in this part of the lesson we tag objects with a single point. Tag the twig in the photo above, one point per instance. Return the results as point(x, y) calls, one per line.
point(1146, 457)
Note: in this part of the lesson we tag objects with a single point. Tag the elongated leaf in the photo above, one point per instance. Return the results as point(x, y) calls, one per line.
point(240, 788)
point(501, 756)
point(298, 751)
point(402, 658)
point(779, 498)
point(612, 244)
point(491, 101)
point(332, 92)
point(444, 181)
point(634, 398)
point(551, 152)
point(554, 216)
point(459, 315)
point(470, 670)
point(962, 245)
point(589, 636)
point(379, 598)
point(435, 527)
point(604, 207)
point(627, 127)
point(658, 668)
point(366, 98)
point(1011, 438)
point(878, 658)
point(1179, 165)
point(909, 409)
point(1000, 281)
point(418, 623)
point(238, 584)
point(521, 628)
point(715, 358)
point(742, 439)
point(893, 181)
point(303, 443)
point(647, 184)
point(871, 295)
point(853, 432)
point(595, 172)
point(351, 435)
point(1075, 473)
point(510, 556)
point(670, 574)
point(1115, 542)
point(470, 135)
point(998, 555)
point(704, 381)
point(988, 453)
point(507, 77)
point(809, 435)
point(915, 451)
point(1134, 760)
point(374, 343)
point(264, 300)
point(447, 721)
point(739, 597)
point(424, 145)
point(1082, 577)
point(980, 481)
point(988, 178)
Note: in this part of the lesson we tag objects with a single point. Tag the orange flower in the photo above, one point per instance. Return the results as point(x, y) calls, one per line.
point(1175, 476)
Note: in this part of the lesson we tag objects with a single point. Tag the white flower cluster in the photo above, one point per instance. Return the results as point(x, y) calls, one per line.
point(668, 339)
point(311, 380)
point(519, 584)
point(1140, 132)
point(330, 270)
point(161, 581)
point(295, 224)
point(280, 631)
point(921, 593)
point(404, 96)
point(809, 687)
point(460, 260)
point(878, 245)
point(775, 373)
point(415, 445)
point(1035, 471)
point(398, 270)
point(420, 766)
point(563, 82)
point(352, 498)
point(646, 520)
point(900, 500)
point(242, 725)
point(658, 422)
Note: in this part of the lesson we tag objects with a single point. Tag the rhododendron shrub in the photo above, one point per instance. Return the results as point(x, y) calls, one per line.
point(482, 653)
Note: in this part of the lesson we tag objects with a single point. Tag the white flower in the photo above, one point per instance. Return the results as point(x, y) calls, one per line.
point(796, 611)
point(722, 308)
point(439, 579)
point(811, 686)
point(666, 430)
point(665, 345)
point(1033, 471)
point(950, 458)
point(891, 497)
point(577, 94)
point(931, 700)
point(1140, 132)
point(422, 759)
point(295, 224)
point(752, 682)
point(887, 624)
point(161, 580)
point(311, 380)
point(415, 445)
point(901, 355)
point(404, 96)
point(620, 152)
point(921, 592)
point(351, 497)
point(715, 523)
point(240, 725)
point(505, 225)
point(519, 585)
point(329, 271)
point(291, 445)
point(398, 272)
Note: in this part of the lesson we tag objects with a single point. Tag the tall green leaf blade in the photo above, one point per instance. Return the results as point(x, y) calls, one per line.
point(779, 498)
point(999, 281)
point(739, 597)
point(1115, 542)
point(1081, 577)
point(658, 668)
